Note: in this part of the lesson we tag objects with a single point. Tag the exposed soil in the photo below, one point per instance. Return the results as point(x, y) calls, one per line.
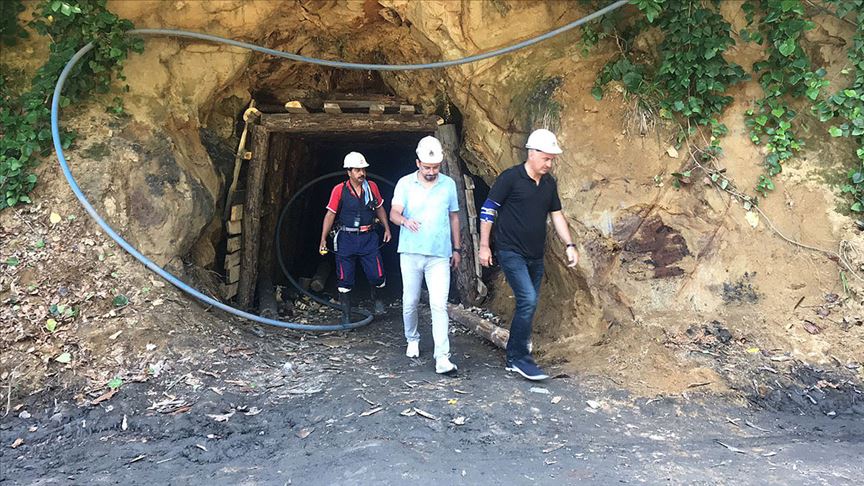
point(275, 407)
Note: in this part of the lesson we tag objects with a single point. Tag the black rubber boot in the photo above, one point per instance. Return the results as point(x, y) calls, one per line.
point(377, 306)
point(345, 303)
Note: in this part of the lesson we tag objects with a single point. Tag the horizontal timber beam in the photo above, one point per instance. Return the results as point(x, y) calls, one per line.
point(348, 123)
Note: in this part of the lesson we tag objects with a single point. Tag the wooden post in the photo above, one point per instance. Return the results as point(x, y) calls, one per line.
point(276, 164)
point(466, 279)
point(252, 218)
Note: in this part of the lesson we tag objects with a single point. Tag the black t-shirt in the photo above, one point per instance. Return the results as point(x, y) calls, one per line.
point(525, 205)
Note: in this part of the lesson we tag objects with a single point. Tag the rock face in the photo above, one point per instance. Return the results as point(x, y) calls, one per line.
point(652, 255)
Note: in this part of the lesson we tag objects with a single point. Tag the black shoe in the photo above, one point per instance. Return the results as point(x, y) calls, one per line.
point(527, 368)
point(345, 304)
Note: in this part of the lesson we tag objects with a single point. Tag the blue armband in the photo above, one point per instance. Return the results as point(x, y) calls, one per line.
point(489, 211)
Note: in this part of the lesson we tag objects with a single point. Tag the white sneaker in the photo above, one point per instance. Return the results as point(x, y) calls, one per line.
point(413, 350)
point(443, 365)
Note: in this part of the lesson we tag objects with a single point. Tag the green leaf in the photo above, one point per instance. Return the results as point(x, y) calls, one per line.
point(40, 244)
point(597, 93)
point(835, 132)
point(120, 300)
point(787, 47)
point(857, 207)
point(115, 383)
point(64, 358)
point(12, 261)
point(50, 325)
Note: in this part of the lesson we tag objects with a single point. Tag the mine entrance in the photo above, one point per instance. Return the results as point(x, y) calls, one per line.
point(295, 144)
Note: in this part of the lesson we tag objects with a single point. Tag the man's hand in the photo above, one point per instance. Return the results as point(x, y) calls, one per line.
point(387, 235)
point(322, 247)
point(455, 259)
point(485, 256)
point(411, 224)
point(572, 256)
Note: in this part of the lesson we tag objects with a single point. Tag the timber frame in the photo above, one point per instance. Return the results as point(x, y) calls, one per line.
point(339, 119)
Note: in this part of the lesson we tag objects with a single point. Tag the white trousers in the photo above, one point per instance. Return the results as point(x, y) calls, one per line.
point(436, 271)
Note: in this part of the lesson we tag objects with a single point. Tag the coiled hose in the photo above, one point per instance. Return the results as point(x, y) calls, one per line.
point(76, 189)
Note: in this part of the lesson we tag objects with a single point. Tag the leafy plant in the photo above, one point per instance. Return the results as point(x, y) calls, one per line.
point(845, 108)
point(689, 84)
point(786, 74)
point(25, 119)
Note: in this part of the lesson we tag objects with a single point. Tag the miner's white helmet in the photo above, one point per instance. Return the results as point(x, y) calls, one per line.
point(355, 160)
point(429, 151)
point(544, 141)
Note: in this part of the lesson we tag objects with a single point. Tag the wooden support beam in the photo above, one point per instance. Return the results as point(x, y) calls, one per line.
point(252, 218)
point(332, 108)
point(495, 334)
point(466, 278)
point(277, 163)
point(234, 244)
point(353, 123)
point(376, 109)
point(406, 109)
point(295, 107)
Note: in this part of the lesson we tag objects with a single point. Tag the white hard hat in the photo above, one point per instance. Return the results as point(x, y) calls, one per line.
point(544, 141)
point(429, 150)
point(355, 160)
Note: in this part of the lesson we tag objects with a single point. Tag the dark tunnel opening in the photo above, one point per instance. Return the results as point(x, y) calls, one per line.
point(390, 156)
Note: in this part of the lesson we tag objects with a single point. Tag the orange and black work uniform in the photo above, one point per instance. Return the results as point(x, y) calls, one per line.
point(356, 236)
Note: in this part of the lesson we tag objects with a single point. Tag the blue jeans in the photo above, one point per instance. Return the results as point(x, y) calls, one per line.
point(524, 276)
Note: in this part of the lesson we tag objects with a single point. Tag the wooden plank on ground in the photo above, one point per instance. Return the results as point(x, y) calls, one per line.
point(332, 108)
point(376, 109)
point(495, 334)
point(235, 227)
point(406, 109)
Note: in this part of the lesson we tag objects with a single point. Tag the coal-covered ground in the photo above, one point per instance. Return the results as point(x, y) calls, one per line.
point(268, 406)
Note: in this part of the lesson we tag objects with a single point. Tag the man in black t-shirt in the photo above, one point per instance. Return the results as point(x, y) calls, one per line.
point(518, 205)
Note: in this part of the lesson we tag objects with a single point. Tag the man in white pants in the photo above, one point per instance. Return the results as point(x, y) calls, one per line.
point(426, 207)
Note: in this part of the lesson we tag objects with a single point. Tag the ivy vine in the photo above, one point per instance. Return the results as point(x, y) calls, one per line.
point(845, 108)
point(687, 84)
point(786, 74)
point(687, 80)
point(25, 134)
